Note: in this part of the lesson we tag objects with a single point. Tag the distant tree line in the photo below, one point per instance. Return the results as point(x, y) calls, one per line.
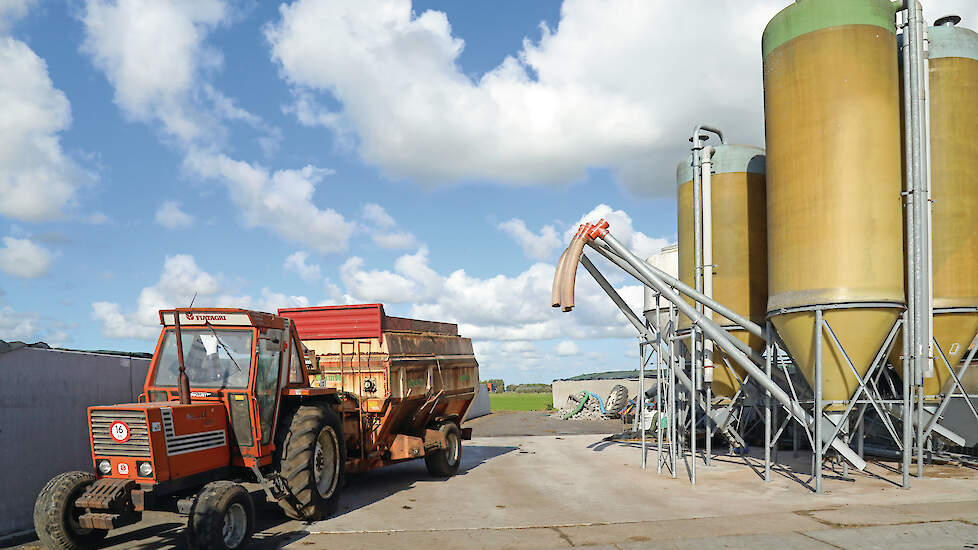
point(528, 388)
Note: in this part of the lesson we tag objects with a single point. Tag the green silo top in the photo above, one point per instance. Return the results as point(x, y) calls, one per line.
point(805, 16)
point(951, 41)
point(726, 159)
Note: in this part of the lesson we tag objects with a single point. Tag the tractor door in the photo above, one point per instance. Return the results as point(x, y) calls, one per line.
point(267, 380)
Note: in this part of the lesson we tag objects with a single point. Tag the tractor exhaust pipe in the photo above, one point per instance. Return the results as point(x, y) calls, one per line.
point(183, 382)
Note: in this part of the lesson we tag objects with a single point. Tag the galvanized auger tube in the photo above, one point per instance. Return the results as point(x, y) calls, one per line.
point(682, 288)
point(717, 307)
point(722, 339)
point(645, 332)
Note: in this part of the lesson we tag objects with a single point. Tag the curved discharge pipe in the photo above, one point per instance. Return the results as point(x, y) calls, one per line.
point(555, 290)
point(568, 275)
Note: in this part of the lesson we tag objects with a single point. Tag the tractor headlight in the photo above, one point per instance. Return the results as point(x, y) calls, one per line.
point(145, 469)
point(105, 467)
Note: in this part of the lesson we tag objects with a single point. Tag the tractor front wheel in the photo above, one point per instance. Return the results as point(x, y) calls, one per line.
point(55, 515)
point(221, 518)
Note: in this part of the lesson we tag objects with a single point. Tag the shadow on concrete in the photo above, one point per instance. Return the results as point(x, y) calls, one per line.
point(165, 530)
point(364, 489)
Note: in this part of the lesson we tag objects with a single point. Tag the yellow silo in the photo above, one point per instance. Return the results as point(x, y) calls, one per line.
point(835, 232)
point(739, 244)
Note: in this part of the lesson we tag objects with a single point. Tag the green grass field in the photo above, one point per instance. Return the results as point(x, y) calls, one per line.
point(512, 401)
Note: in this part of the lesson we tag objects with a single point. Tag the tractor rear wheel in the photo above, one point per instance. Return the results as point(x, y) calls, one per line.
point(312, 463)
point(445, 462)
point(222, 517)
point(55, 515)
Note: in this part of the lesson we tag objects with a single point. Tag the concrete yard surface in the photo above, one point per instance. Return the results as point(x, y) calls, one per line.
point(561, 491)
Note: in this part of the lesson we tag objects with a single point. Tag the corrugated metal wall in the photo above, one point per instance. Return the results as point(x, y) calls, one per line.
point(44, 395)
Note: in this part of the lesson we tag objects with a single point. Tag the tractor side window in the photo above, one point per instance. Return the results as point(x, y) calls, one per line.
point(295, 368)
point(266, 382)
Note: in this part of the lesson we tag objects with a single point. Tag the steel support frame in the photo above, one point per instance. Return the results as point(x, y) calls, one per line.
point(822, 330)
point(644, 274)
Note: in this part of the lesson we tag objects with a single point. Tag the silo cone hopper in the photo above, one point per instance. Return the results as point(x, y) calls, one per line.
point(954, 332)
point(861, 331)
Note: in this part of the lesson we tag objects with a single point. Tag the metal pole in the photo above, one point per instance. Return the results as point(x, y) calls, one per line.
point(920, 431)
point(817, 413)
point(907, 404)
point(673, 318)
point(658, 386)
point(767, 407)
point(641, 396)
point(693, 392)
point(706, 169)
point(708, 425)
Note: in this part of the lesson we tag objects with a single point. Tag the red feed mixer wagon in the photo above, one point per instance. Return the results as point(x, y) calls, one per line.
point(291, 401)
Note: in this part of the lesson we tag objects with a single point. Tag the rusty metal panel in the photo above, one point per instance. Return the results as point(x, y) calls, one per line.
point(409, 344)
point(328, 322)
point(406, 446)
point(417, 325)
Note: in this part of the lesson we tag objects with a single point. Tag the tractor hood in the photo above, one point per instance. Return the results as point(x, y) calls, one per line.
point(175, 440)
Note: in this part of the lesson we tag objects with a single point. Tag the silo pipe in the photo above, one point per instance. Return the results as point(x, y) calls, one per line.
point(718, 335)
point(689, 291)
point(707, 197)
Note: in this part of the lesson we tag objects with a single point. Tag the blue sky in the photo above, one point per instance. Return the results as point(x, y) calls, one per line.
point(431, 156)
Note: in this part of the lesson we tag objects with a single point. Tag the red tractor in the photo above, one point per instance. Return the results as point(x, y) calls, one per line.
point(236, 396)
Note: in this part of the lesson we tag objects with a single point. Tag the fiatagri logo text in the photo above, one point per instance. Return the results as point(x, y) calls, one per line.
point(205, 317)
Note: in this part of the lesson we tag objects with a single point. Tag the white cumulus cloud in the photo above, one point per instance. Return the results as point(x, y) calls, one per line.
point(536, 246)
point(38, 180)
point(384, 231)
point(170, 216)
point(161, 66)
point(566, 347)
point(179, 281)
point(620, 226)
point(297, 262)
point(584, 94)
point(280, 200)
point(24, 258)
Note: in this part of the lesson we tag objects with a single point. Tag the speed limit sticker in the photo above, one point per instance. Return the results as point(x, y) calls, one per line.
point(119, 431)
point(123, 468)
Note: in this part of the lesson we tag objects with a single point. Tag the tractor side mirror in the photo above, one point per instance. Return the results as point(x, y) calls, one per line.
point(312, 363)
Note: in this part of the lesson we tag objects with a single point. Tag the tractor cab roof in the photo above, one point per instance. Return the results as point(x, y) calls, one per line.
point(222, 317)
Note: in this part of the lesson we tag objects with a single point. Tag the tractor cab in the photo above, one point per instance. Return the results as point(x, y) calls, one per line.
point(245, 360)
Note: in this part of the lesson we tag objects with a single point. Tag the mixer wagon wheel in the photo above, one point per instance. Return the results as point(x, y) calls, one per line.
point(444, 462)
point(312, 463)
point(55, 515)
point(221, 518)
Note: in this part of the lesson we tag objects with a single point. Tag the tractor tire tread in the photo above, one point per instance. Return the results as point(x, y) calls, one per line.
point(206, 518)
point(296, 462)
point(50, 522)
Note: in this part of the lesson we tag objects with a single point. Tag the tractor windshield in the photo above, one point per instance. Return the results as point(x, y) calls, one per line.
point(218, 358)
